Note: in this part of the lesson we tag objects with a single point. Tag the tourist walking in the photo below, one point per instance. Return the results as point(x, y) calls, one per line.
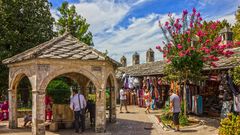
point(175, 108)
point(78, 105)
point(123, 100)
point(147, 98)
point(91, 108)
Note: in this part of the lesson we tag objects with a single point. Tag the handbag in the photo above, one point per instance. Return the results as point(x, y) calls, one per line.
point(82, 110)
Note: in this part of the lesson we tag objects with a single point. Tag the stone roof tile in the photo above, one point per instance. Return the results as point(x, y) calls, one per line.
point(156, 68)
point(65, 46)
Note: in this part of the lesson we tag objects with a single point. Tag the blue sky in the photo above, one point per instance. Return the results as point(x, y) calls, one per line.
point(125, 26)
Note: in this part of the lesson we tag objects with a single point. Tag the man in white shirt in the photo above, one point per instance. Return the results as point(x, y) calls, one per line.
point(78, 105)
point(123, 100)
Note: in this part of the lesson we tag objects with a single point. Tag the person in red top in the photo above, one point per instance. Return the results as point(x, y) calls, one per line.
point(5, 112)
point(147, 98)
point(48, 109)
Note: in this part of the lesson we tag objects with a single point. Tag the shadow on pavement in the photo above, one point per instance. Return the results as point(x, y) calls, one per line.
point(133, 113)
point(130, 127)
point(187, 131)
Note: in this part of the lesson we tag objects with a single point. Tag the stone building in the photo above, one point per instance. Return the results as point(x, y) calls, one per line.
point(62, 56)
point(150, 55)
point(123, 61)
point(226, 34)
point(135, 59)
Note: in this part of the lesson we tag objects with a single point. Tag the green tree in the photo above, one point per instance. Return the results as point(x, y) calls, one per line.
point(59, 90)
point(24, 24)
point(74, 23)
point(207, 26)
point(236, 27)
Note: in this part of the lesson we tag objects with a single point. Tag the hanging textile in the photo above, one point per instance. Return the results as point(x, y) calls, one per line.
point(232, 86)
point(177, 88)
point(194, 104)
point(172, 85)
point(156, 93)
point(188, 95)
point(148, 83)
point(236, 103)
point(144, 83)
point(123, 76)
point(141, 98)
point(126, 82)
point(226, 108)
point(159, 81)
point(130, 83)
point(136, 82)
point(199, 105)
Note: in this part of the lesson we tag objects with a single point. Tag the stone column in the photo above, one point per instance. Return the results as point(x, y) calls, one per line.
point(100, 118)
point(38, 112)
point(114, 102)
point(12, 94)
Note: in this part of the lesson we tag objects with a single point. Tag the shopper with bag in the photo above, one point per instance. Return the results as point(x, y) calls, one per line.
point(78, 105)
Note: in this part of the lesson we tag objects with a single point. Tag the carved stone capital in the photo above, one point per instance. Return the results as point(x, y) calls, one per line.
point(38, 92)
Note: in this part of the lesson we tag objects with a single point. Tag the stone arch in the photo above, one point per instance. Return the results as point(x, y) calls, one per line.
point(113, 79)
point(113, 89)
point(14, 81)
point(17, 76)
point(57, 73)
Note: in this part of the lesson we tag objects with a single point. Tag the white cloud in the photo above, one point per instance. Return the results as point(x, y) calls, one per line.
point(102, 15)
point(230, 18)
point(140, 35)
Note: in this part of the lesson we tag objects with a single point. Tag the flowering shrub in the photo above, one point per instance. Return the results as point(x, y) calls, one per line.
point(230, 125)
point(189, 45)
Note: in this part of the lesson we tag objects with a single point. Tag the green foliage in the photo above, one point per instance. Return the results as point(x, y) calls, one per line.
point(183, 120)
point(24, 24)
point(236, 75)
point(167, 117)
point(75, 24)
point(215, 33)
point(59, 91)
point(230, 125)
point(107, 98)
point(236, 27)
point(24, 92)
point(173, 74)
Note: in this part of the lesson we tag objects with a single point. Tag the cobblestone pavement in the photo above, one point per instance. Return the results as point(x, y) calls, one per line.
point(134, 123)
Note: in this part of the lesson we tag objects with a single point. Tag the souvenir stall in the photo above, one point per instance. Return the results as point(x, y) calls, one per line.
point(136, 86)
point(131, 85)
point(193, 97)
point(217, 95)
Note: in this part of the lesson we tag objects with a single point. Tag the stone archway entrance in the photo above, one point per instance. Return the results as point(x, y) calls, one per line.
point(111, 102)
point(60, 56)
point(63, 116)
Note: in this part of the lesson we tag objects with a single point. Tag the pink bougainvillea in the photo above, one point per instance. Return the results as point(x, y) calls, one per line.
point(188, 43)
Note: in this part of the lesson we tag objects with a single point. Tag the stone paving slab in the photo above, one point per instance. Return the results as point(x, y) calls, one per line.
point(134, 123)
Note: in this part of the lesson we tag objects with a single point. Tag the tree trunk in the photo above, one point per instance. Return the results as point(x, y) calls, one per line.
point(184, 95)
